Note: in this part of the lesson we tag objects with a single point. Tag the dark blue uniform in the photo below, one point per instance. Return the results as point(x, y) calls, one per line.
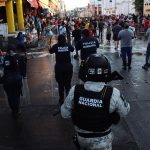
point(87, 46)
point(63, 68)
point(21, 47)
point(12, 83)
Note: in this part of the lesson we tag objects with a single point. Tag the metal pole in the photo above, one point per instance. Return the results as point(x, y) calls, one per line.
point(128, 6)
point(115, 8)
point(97, 8)
point(76, 3)
point(103, 6)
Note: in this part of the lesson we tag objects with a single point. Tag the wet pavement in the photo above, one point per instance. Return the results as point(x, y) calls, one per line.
point(39, 129)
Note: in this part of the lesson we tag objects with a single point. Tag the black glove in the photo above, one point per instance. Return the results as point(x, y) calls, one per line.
point(115, 117)
point(82, 71)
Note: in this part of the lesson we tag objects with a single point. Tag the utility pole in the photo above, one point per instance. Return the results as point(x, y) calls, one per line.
point(115, 8)
point(95, 8)
point(114, 5)
point(128, 6)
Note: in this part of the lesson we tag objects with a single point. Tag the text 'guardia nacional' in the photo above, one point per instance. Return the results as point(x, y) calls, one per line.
point(90, 102)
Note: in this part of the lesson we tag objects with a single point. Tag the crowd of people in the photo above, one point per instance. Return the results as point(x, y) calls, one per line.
point(93, 105)
point(72, 29)
point(67, 25)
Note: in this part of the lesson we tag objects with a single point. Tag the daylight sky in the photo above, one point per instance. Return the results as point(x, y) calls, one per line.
point(70, 4)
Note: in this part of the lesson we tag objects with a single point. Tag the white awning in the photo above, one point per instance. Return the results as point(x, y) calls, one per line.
point(44, 3)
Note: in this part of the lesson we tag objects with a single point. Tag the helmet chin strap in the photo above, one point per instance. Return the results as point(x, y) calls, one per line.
point(114, 76)
point(96, 68)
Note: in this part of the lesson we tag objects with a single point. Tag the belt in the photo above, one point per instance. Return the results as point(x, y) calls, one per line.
point(92, 135)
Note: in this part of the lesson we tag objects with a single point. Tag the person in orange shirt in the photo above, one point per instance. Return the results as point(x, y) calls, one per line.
point(87, 25)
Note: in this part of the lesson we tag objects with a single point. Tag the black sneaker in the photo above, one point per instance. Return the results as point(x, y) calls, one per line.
point(16, 115)
point(25, 77)
point(76, 56)
point(61, 101)
point(124, 67)
point(145, 67)
point(129, 67)
point(148, 65)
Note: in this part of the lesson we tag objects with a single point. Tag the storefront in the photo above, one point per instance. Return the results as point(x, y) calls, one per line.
point(2, 11)
point(9, 12)
point(3, 19)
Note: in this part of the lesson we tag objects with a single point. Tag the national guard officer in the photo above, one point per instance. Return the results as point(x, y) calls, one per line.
point(12, 79)
point(63, 66)
point(88, 45)
point(94, 106)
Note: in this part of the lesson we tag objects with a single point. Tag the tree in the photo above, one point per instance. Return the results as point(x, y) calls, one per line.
point(139, 6)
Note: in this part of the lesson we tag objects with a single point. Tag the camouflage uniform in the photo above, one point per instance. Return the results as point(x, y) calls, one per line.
point(116, 103)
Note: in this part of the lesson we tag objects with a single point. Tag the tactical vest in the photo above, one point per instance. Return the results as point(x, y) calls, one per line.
point(91, 109)
point(63, 54)
point(11, 64)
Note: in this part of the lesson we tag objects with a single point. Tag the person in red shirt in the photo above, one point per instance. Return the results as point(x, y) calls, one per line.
point(91, 31)
point(146, 26)
point(132, 23)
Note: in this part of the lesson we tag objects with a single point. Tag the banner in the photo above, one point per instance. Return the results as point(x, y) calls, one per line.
point(33, 3)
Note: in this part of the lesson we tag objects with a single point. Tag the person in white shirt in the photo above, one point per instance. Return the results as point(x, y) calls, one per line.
point(62, 29)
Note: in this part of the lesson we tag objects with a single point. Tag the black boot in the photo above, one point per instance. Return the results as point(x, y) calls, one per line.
point(61, 101)
point(124, 65)
point(145, 67)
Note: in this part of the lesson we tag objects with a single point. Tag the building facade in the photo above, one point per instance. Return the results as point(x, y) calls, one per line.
point(117, 7)
point(146, 10)
point(62, 9)
point(96, 7)
point(53, 6)
point(10, 14)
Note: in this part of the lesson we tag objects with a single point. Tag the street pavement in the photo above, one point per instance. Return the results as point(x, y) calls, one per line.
point(39, 129)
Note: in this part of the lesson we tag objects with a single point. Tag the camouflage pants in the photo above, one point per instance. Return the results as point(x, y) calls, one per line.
point(98, 143)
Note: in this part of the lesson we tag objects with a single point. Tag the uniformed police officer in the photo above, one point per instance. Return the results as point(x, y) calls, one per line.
point(22, 50)
point(95, 106)
point(12, 80)
point(63, 66)
point(88, 45)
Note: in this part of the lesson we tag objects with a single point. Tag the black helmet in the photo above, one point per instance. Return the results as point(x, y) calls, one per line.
point(85, 32)
point(96, 68)
point(10, 47)
point(61, 39)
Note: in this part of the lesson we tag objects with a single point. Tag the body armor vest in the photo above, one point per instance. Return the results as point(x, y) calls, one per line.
point(91, 109)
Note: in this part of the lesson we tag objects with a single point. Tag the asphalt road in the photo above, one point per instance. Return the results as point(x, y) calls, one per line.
point(38, 129)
